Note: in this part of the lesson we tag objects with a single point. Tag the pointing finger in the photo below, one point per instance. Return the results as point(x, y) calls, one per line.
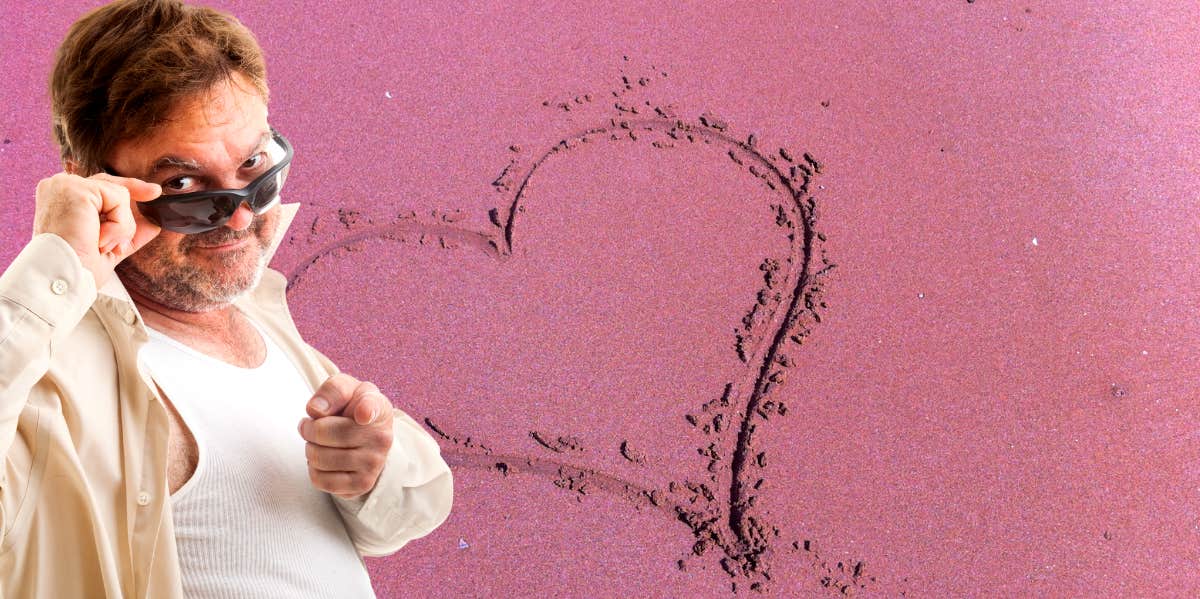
point(367, 405)
point(332, 396)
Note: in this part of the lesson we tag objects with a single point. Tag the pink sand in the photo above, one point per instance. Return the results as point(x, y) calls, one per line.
point(994, 402)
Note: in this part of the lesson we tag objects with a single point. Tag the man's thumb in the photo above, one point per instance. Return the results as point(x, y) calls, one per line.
point(143, 191)
point(332, 396)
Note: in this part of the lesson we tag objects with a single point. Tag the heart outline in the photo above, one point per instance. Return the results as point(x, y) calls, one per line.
point(742, 537)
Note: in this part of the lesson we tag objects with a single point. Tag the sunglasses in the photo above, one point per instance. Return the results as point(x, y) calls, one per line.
point(202, 211)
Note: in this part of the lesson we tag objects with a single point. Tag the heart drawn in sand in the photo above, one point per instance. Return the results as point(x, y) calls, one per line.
point(596, 365)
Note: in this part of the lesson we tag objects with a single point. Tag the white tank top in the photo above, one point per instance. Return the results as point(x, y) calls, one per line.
point(249, 523)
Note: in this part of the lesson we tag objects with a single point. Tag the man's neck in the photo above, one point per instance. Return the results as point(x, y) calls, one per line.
point(223, 333)
point(219, 322)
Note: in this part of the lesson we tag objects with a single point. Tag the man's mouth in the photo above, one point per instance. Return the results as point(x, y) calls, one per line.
point(225, 245)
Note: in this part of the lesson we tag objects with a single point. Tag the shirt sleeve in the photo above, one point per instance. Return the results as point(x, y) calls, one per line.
point(412, 497)
point(44, 293)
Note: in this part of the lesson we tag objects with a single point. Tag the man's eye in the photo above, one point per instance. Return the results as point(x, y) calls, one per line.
point(180, 184)
point(255, 161)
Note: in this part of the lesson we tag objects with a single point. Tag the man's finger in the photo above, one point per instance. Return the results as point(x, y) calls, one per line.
point(339, 459)
point(332, 396)
point(119, 227)
point(339, 431)
point(139, 190)
point(146, 231)
point(116, 221)
point(346, 485)
point(367, 405)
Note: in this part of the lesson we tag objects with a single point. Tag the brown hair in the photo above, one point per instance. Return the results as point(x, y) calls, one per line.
point(124, 66)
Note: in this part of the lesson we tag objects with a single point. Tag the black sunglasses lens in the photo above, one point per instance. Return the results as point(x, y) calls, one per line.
point(196, 216)
point(266, 193)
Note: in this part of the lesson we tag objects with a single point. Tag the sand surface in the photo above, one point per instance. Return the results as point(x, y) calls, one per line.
point(883, 299)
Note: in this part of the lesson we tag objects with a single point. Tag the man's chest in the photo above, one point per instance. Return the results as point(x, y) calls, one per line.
point(226, 421)
point(183, 454)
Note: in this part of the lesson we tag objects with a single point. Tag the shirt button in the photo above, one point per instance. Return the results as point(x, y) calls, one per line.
point(59, 286)
point(130, 317)
point(143, 499)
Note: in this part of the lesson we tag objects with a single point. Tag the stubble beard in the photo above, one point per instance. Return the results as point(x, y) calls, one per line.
point(168, 277)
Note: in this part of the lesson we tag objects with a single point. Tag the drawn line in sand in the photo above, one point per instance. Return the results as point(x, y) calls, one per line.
point(781, 316)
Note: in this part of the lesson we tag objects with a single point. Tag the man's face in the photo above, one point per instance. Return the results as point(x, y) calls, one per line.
point(217, 140)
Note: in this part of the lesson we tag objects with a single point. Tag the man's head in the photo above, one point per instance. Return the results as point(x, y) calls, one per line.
point(176, 95)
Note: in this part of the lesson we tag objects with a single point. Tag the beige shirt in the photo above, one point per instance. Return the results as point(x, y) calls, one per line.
point(84, 504)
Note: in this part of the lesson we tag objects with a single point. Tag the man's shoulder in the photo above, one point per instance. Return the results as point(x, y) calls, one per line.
point(270, 293)
point(268, 305)
point(267, 302)
point(274, 280)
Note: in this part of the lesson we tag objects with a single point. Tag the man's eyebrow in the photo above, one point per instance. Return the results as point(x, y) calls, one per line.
point(174, 163)
point(263, 140)
point(191, 166)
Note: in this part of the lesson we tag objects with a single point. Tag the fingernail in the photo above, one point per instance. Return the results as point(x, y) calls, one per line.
point(374, 414)
point(319, 404)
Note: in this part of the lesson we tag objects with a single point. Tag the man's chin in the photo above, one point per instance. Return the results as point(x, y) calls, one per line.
point(226, 296)
point(198, 287)
point(217, 292)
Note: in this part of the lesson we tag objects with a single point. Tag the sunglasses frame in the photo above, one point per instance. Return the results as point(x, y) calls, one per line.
point(244, 195)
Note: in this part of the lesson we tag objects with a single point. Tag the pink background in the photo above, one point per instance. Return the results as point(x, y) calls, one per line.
point(997, 399)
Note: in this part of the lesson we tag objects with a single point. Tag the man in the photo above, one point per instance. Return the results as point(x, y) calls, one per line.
point(151, 378)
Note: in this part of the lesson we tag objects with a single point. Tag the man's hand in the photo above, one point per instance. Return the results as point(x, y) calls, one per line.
point(349, 433)
point(96, 217)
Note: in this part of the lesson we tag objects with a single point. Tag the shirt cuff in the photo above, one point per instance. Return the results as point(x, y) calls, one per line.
point(413, 495)
point(48, 279)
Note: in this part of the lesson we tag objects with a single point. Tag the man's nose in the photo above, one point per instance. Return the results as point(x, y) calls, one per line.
point(241, 218)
